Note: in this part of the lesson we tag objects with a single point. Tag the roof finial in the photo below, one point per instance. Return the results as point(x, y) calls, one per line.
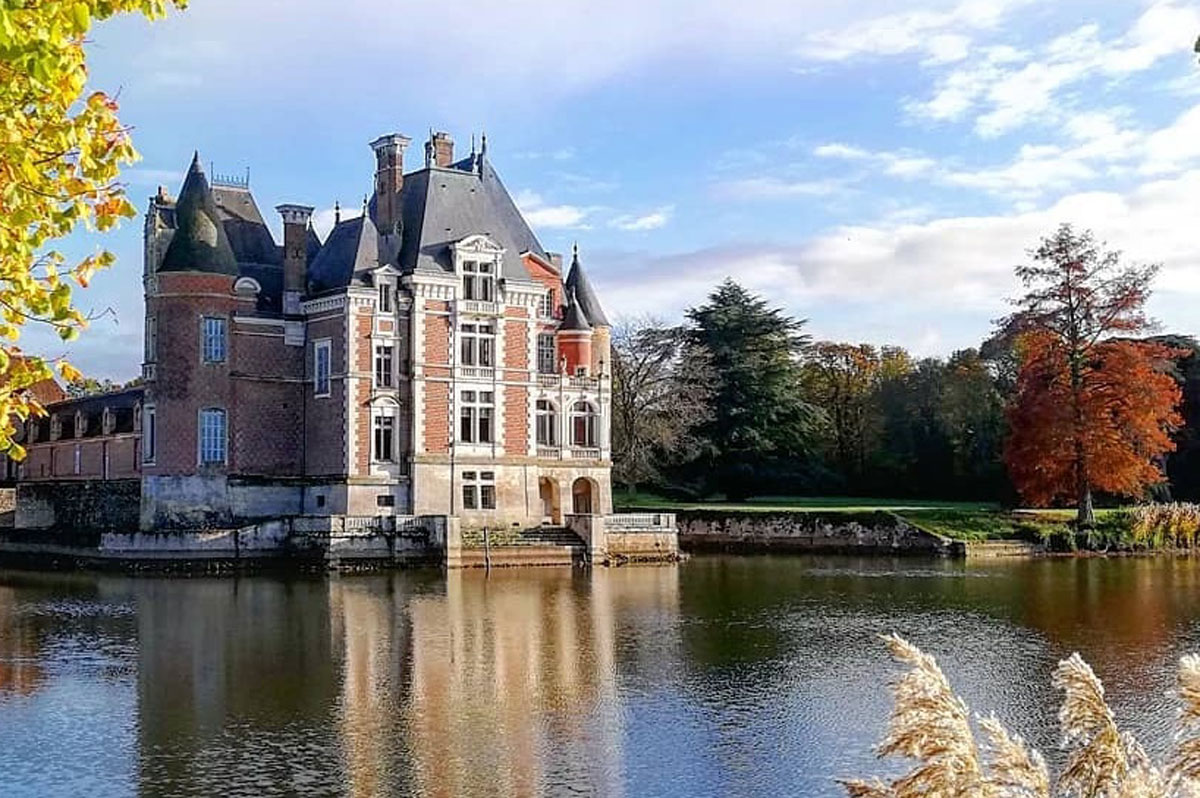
point(472, 145)
point(364, 205)
point(337, 212)
point(575, 254)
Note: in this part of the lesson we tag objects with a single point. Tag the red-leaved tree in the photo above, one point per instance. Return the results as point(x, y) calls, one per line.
point(1093, 410)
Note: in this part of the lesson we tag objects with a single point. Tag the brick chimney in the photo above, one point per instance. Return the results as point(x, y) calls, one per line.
point(295, 253)
point(443, 148)
point(389, 179)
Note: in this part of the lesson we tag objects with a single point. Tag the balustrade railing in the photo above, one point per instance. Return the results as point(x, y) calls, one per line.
point(640, 522)
point(480, 307)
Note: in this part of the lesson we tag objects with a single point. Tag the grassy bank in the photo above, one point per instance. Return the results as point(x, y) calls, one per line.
point(969, 521)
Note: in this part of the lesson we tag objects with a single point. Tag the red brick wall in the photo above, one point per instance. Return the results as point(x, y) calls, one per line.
point(183, 384)
point(437, 417)
point(437, 340)
point(362, 352)
point(266, 432)
point(325, 427)
point(124, 453)
point(516, 419)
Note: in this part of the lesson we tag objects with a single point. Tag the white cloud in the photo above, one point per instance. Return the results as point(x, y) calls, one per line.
point(649, 221)
point(539, 214)
point(904, 164)
point(1006, 89)
point(767, 188)
point(941, 36)
point(905, 279)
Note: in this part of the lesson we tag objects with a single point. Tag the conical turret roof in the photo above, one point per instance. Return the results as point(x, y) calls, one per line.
point(574, 319)
point(199, 243)
point(577, 283)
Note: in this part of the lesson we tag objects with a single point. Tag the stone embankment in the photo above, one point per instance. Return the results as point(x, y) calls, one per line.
point(826, 532)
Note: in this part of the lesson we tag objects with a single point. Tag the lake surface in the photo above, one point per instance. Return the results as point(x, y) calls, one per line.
point(754, 676)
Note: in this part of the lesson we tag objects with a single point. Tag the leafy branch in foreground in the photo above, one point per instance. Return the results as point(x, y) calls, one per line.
point(60, 154)
point(932, 725)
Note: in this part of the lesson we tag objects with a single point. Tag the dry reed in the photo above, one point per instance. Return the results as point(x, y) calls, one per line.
point(932, 725)
point(1173, 525)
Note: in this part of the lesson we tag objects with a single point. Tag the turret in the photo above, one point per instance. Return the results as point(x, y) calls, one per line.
point(578, 285)
point(575, 339)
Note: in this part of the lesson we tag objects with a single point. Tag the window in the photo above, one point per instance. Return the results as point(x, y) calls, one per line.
point(78, 458)
point(547, 423)
point(478, 345)
point(384, 369)
point(385, 439)
point(475, 417)
point(149, 433)
point(546, 305)
point(151, 337)
point(214, 339)
point(212, 436)
point(479, 281)
point(385, 297)
point(583, 425)
point(479, 490)
point(545, 353)
point(385, 501)
point(322, 352)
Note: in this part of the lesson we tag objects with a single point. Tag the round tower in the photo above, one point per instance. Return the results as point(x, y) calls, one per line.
point(575, 339)
point(188, 408)
point(577, 284)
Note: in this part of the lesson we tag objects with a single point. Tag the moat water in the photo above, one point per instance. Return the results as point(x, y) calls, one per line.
point(752, 676)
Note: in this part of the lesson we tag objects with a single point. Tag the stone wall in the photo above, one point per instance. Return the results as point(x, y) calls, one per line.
point(110, 505)
point(729, 530)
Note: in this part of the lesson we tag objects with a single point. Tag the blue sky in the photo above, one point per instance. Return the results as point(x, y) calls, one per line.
point(876, 167)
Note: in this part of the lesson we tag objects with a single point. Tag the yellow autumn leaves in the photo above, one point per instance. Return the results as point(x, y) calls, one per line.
point(60, 156)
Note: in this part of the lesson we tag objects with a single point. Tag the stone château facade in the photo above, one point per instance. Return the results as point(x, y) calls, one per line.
point(428, 358)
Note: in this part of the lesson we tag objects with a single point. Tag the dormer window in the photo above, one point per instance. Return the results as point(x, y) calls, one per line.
point(385, 297)
point(479, 280)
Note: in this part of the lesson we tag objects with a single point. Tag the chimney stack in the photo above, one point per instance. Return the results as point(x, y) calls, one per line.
point(295, 253)
point(443, 149)
point(389, 179)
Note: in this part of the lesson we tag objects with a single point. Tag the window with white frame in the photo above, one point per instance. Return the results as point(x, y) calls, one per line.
point(547, 423)
point(212, 436)
point(385, 366)
point(214, 339)
point(385, 297)
point(149, 433)
point(546, 305)
point(322, 357)
point(584, 422)
point(478, 345)
point(545, 353)
point(384, 450)
point(479, 280)
point(479, 490)
point(476, 413)
point(151, 336)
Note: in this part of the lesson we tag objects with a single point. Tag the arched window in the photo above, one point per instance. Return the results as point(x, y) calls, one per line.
point(583, 425)
point(547, 423)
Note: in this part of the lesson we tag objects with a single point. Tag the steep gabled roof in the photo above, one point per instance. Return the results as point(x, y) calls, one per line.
point(351, 250)
point(200, 242)
point(445, 205)
point(580, 287)
point(248, 234)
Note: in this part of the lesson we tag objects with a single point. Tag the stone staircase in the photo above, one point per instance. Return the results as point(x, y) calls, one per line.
point(539, 536)
point(539, 546)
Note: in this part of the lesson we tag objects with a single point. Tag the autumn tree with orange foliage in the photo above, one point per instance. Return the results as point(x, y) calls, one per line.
point(1093, 409)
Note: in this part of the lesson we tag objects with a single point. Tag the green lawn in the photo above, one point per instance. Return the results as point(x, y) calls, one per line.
point(623, 500)
point(958, 520)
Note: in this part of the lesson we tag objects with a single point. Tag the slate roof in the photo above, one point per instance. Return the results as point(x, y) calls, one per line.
point(254, 251)
point(200, 242)
point(574, 318)
point(580, 287)
point(445, 205)
point(351, 249)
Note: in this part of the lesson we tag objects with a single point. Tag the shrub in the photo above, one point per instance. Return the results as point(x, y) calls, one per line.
point(1172, 526)
point(932, 724)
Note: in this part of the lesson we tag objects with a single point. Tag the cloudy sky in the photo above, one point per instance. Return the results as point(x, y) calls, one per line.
point(877, 167)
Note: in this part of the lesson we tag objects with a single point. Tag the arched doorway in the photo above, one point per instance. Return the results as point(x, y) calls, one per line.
point(583, 497)
point(551, 506)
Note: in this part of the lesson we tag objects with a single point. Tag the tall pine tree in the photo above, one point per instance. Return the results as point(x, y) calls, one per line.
point(759, 428)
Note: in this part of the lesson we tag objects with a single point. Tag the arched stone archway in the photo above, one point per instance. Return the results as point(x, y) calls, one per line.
point(551, 501)
point(584, 496)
